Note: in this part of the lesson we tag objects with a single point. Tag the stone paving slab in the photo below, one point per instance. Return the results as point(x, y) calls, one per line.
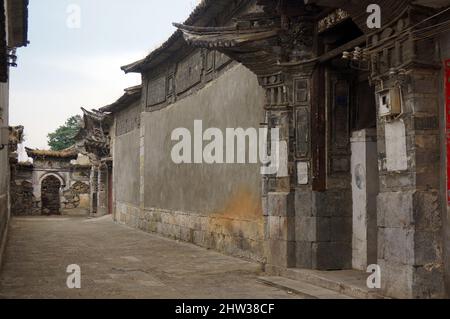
point(302, 288)
point(119, 262)
point(348, 282)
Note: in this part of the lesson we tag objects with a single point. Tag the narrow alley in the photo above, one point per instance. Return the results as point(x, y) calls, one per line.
point(213, 149)
point(119, 262)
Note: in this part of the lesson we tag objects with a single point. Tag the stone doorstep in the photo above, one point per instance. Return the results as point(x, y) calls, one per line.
point(351, 283)
point(302, 288)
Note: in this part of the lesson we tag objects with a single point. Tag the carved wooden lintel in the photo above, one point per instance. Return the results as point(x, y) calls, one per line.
point(333, 19)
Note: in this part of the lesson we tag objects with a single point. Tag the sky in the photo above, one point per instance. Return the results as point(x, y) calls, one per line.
point(75, 53)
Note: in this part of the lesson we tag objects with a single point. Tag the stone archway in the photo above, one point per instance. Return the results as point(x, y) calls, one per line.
point(50, 196)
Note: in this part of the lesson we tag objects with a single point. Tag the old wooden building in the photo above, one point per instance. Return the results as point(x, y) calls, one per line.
point(361, 112)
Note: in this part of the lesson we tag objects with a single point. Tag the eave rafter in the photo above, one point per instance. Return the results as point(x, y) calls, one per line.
point(92, 137)
point(282, 34)
point(247, 42)
point(263, 41)
point(229, 37)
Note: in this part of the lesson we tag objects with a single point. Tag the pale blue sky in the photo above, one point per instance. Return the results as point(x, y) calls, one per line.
point(64, 69)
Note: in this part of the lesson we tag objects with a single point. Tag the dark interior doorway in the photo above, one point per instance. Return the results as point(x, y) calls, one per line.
point(50, 189)
point(110, 191)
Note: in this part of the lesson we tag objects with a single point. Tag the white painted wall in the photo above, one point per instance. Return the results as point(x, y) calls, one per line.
point(365, 187)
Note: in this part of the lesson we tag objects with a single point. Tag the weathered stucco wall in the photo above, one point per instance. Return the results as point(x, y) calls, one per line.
point(4, 169)
point(233, 101)
point(445, 55)
point(126, 151)
point(218, 205)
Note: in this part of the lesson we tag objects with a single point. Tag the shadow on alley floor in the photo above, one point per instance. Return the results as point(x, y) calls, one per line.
point(119, 262)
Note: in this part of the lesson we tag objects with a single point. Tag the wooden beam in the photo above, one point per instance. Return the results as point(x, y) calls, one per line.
point(318, 131)
point(338, 51)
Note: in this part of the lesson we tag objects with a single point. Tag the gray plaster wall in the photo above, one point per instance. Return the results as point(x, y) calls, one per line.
point(4, 169)
point(126, 166)
point(215, 206)
point(233, 100)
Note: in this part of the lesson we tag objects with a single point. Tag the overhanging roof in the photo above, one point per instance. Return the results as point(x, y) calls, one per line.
point(17, 11)
point(68, 154)
point(202, 14)
point(13, 30)
point(209, 9)
point(131, 95)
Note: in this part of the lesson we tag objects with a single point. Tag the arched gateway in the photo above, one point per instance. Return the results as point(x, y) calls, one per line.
point(50, 195)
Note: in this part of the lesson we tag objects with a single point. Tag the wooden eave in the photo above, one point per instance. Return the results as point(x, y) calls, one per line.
point(17, 11)
point(131, 95)
point(3, 45)
point(206, 11)
point(68, 154)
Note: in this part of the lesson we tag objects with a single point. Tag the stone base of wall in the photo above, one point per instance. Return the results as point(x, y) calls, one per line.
point(23, 202)
point(410, 244)
point(240, 238)
point(4, 221)
point(323, 229)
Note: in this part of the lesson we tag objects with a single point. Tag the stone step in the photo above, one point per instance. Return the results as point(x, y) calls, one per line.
point(348, 282)
point(302, 288)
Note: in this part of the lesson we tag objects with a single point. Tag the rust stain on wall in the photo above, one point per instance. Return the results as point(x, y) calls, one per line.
point(243, 205)
point(241, 220)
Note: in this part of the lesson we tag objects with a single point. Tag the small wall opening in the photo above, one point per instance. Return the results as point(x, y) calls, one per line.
point(50, 196)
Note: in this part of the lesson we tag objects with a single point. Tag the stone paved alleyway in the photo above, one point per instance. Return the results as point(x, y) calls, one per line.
point(118, 262)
